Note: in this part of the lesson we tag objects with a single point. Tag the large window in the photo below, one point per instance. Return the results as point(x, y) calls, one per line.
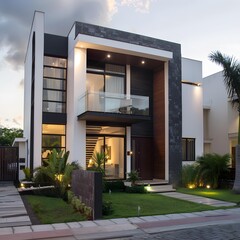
point(53, 136)
point(109, 140)
point(188, 149)
point(106, 78)
point(54, 84)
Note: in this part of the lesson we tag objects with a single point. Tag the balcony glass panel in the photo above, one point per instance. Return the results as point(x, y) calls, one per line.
point(114, 103)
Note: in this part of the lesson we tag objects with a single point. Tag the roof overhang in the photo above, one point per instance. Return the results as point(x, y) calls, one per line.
point(91, 42)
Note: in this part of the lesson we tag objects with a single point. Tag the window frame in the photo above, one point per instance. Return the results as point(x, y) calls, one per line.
point(189, 151)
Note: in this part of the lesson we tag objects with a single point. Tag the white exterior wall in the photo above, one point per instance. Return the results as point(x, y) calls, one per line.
point(38, 28)
point(216, 100)
point(192, 103)
point(223, 118)
point(76, 86)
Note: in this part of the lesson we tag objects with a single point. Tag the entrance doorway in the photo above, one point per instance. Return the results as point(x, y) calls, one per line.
point(142, 157)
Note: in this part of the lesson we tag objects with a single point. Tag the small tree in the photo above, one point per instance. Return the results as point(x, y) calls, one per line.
point(7, 135)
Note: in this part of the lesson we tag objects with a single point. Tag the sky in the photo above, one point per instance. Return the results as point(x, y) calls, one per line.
point(200, 26)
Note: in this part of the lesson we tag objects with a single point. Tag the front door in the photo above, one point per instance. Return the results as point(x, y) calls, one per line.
point(142, 157)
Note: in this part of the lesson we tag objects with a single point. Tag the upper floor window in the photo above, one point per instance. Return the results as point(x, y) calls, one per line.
point(54, 84)
point(188, 149)
point(105, 78)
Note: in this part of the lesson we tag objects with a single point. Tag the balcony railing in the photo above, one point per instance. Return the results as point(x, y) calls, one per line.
point(107, 102)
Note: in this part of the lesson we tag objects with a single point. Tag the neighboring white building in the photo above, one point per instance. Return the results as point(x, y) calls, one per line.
point(220, 119)
point(192, 114)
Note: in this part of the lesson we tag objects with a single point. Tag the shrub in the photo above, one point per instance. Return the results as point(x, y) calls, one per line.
point(133, 176)
point(107, 208)
point(27, 174)
point(55, 171)
point(189, 175)
point(114, 186)
point(136, 189)
point(211, 167)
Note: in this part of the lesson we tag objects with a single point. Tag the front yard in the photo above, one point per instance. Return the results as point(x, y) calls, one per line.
point(55, 210)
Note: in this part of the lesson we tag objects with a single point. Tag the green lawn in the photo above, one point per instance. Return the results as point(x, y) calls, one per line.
point(53, 210)
point(219, 194)
point(126, 205)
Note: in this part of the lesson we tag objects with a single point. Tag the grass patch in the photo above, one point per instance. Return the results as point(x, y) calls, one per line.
point(53, 210)
point(219, 194)
point(126, 205)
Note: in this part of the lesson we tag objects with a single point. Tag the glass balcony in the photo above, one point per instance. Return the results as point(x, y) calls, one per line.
point(106, 102)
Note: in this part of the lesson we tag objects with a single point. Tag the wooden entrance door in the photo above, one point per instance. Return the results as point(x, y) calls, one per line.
point(142, 157)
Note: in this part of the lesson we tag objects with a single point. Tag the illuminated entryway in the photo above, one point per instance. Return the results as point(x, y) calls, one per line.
point(111, 141)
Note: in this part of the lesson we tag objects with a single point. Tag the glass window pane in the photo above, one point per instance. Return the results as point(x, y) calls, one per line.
point(53, 129)
point(55, 62)
point(105, 130)
point(114, 166)
point(54, 72)
point(95, 82)
point(54, 83)
point(114, 84)
point(54, 95)
point(54, 107)
point(117, 69)
point(51, 141)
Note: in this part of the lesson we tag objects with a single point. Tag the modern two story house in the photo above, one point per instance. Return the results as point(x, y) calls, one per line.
point(104, 90)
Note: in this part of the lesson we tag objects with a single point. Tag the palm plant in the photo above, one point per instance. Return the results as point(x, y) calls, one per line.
point(98, 159)
point(231, 74)
point(211, 167)
point(55, 171)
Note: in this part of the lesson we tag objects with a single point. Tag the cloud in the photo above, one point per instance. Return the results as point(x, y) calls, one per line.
point(139, 5)
point(16, 18)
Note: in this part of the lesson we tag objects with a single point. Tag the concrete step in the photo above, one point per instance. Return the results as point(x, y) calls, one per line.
point(161, 188)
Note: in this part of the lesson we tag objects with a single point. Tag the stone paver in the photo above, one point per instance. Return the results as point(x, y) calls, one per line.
point(12, 209)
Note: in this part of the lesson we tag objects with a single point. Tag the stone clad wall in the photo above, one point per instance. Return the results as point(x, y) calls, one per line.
point(88, 186)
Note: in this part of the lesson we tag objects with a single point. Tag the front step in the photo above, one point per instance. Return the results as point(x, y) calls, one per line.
point(161, 188)
point(156, 185)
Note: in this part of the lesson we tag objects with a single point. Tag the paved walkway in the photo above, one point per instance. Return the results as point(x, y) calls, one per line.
point(12, 210)
point(198, 199)
point(123, 228)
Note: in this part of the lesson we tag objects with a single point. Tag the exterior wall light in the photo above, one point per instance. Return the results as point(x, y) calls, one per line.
point(208, 186)
point(129, 153)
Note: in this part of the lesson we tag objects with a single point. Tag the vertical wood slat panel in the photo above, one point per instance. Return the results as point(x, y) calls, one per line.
point(8, 163)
